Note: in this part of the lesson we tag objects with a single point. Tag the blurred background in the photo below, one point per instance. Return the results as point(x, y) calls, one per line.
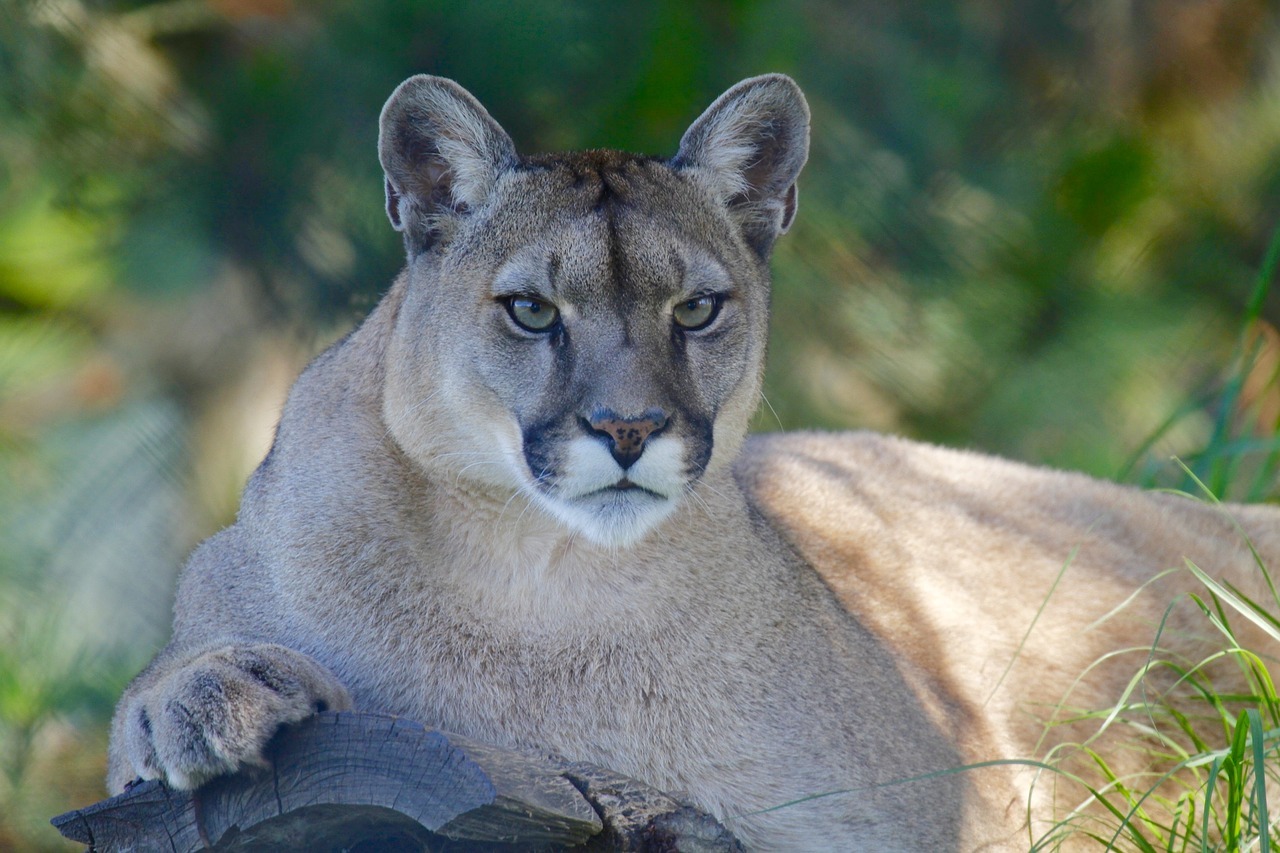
point(1039, 228)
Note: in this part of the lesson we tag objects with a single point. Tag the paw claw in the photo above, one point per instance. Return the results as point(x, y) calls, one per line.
point(215, 714)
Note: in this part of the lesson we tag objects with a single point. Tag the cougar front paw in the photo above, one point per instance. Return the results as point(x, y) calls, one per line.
point(216, 712)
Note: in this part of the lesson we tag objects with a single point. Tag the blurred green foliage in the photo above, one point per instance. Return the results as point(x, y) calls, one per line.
point(1034, 228)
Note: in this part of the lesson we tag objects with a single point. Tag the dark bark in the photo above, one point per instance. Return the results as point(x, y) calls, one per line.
point(371, 782)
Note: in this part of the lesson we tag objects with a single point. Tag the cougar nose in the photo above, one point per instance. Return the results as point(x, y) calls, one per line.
point(626, 435)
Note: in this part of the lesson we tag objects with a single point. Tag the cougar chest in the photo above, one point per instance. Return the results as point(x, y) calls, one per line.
point(589, 690)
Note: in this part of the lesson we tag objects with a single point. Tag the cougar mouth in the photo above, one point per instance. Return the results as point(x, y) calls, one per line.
point(614, 515)
point(627, 485)
point(624, 487)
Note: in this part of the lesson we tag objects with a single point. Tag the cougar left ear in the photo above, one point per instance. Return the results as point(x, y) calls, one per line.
point(442, 153)
point(748, 148)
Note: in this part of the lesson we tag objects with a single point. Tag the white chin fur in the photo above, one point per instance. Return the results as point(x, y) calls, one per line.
point(611, 519)
point(585, 502)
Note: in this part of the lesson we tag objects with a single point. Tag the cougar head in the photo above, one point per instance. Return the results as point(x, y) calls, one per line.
point(587, 328)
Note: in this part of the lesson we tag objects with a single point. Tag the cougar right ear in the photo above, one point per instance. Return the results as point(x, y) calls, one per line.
point(748, 149)
point(441, 152)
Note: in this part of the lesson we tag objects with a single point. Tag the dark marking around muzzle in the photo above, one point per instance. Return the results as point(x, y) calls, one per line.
point(626, 436)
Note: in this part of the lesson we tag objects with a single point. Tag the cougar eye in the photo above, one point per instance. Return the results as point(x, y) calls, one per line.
point(696, 313)
point(532, 314)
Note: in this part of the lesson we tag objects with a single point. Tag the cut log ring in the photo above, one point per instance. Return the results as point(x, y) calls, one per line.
point(373, 782)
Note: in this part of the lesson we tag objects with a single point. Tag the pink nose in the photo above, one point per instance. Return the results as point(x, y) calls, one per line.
point(627, 435)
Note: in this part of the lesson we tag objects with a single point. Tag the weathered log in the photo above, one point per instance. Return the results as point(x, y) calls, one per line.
point(638, 817)
point(376, 782)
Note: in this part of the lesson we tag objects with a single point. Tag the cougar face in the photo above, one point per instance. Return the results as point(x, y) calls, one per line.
point(602, 339)
point(592, 322)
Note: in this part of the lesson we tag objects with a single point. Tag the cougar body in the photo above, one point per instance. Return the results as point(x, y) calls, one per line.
point(518, 503)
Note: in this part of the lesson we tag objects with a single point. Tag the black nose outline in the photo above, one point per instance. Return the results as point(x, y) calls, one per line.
point(626, 436)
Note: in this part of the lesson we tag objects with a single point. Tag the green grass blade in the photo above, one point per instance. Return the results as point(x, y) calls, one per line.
point(1259, 780)
point(1209, 787)
point(1223, 594)
point(1022, 643)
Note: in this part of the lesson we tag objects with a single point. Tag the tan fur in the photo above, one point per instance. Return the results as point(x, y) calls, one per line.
point(436, 532)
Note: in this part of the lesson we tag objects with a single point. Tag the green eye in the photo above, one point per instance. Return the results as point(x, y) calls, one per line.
point(532, 314)
point(696, 313)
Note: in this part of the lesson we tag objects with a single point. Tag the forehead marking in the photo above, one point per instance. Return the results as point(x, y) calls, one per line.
point(617, 272)
point(617, 223)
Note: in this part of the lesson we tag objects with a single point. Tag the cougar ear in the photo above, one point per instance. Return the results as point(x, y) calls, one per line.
point(748, 148)
point(441, 152)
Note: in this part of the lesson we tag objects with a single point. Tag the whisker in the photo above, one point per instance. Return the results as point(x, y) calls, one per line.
point(415, 408)
point(520, 517)
point(710, 488)
point(542, 475)
point(772, 409)
point(661, 530)
point(499, 453)
point(514, 495)
point(465, 468)
point(701, 501)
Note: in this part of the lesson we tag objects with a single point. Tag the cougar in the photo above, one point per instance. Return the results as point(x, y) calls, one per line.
point(519, 503)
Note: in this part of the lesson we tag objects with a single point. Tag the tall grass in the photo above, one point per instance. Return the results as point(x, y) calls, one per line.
point(1213, 734)
point(1211, 725)
point(1241, 459)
